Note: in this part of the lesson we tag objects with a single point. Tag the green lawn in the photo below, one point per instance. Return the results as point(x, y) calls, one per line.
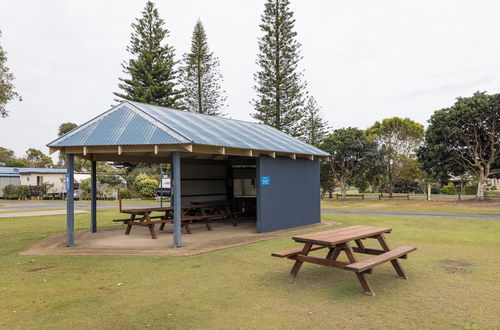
point(416, 205)
point(244, 287)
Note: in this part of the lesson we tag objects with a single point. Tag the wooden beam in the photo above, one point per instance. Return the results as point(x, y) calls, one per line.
point(125, 158)
point(156, 149)
point(188, 147)
point(272, 154)
point(292, 156)
point(311, 157)
point(120, 150)
point(85, 151)
point(52, 150)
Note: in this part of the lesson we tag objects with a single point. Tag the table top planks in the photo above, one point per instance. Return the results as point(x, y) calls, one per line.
point(342, 235)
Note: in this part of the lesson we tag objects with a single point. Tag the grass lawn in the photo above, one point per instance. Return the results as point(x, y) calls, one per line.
point(244, 287)
point(438, 206)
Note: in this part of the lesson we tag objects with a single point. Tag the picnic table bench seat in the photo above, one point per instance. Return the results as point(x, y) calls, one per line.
point(294, 252)
point(364, 265)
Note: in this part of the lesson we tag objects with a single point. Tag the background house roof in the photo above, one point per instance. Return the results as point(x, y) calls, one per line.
point(17, 171)
point(133, 123)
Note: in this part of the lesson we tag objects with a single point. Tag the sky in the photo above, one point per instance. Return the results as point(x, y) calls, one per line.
point(363, 61)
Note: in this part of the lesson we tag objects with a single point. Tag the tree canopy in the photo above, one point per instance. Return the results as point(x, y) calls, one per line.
point(464, 138)
point(7, 89)
point(397, 140)
point(65, 128)
point(151, 73)
point(37, 158)
point(352, 156)
point(278, 83)
point(314, 126)
point(201, 78)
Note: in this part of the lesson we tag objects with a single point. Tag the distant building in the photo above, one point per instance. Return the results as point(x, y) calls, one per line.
point(33, 177)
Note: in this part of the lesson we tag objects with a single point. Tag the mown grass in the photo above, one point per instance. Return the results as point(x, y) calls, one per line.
point(243, 287)
point(438, 206)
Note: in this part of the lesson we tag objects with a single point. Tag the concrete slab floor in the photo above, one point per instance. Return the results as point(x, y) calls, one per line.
point(113, 241)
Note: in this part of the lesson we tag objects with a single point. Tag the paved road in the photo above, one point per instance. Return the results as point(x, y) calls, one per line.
point(7, 206)
point(36, 213)
point(418, 214)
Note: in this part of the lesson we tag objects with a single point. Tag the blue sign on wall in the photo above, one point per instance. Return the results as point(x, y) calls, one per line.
point(67, 181)
point(265, 180)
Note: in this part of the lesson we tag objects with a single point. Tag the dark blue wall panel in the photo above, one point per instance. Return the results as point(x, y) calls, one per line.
point(293, 198)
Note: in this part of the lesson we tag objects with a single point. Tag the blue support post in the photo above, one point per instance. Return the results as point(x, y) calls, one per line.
point(161, 184)
point(70, 202)
point(176, 164)
point(93, 202)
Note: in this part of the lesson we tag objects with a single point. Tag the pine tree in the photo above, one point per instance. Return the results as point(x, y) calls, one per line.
point(279, 85)
point(201, 77)
point(7, 90)
point(315, 127)
point(152, 75)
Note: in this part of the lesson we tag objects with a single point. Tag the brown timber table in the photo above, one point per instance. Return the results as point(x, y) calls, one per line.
point(202, 212)
point(337, 241)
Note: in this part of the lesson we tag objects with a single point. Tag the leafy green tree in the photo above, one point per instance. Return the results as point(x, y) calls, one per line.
point(5, 155)
point(278, 83)
point(61, 163)
point(201, 77)
point(397, 139)
point(315, 127)
point(352, 156)
point(65, 128)
point(17, 162)
point(151, 73)
point(36, 158)
point(7, 89)
point(464, 138)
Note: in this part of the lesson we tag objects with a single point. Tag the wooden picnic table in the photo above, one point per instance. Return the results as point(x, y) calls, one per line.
point(337, 241)
point(202, 212)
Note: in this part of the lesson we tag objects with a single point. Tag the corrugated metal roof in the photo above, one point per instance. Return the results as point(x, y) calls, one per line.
point(16, 171)
point(134, 123)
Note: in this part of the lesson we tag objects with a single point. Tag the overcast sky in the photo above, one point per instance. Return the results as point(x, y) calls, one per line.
point(363, 60)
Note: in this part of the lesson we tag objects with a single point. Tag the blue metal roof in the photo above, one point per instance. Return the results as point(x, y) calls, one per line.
point(134, 123)
point(16, 171)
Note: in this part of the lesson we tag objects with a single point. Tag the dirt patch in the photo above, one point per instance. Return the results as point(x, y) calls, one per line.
point(457, 263)
point(112, 241)
point(455, 266)
point(39, 269)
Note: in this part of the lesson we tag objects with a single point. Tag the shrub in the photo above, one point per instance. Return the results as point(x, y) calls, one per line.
point(125, 194)
point(449, 190)
point(148, 187)
point(138, 178)
point(11, 191)
point(470, 189)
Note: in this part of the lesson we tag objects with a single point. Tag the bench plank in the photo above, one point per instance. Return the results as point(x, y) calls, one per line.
point(293, 252)
point(364, 265)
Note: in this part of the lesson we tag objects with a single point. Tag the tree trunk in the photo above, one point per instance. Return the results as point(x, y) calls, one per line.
point(343, 190)
point(390, 189)
point(481, 185)
point(330, 193)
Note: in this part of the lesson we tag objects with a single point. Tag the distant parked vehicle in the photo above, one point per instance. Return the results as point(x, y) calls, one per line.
point(164, 188)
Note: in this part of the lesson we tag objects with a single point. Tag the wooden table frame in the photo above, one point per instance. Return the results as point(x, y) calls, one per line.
point(203, 212)
point(337, 241)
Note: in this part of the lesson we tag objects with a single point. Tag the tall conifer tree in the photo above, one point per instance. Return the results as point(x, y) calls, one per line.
point(315, 127)
point(278, 83)
point(151, 73)
point(201, 77)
